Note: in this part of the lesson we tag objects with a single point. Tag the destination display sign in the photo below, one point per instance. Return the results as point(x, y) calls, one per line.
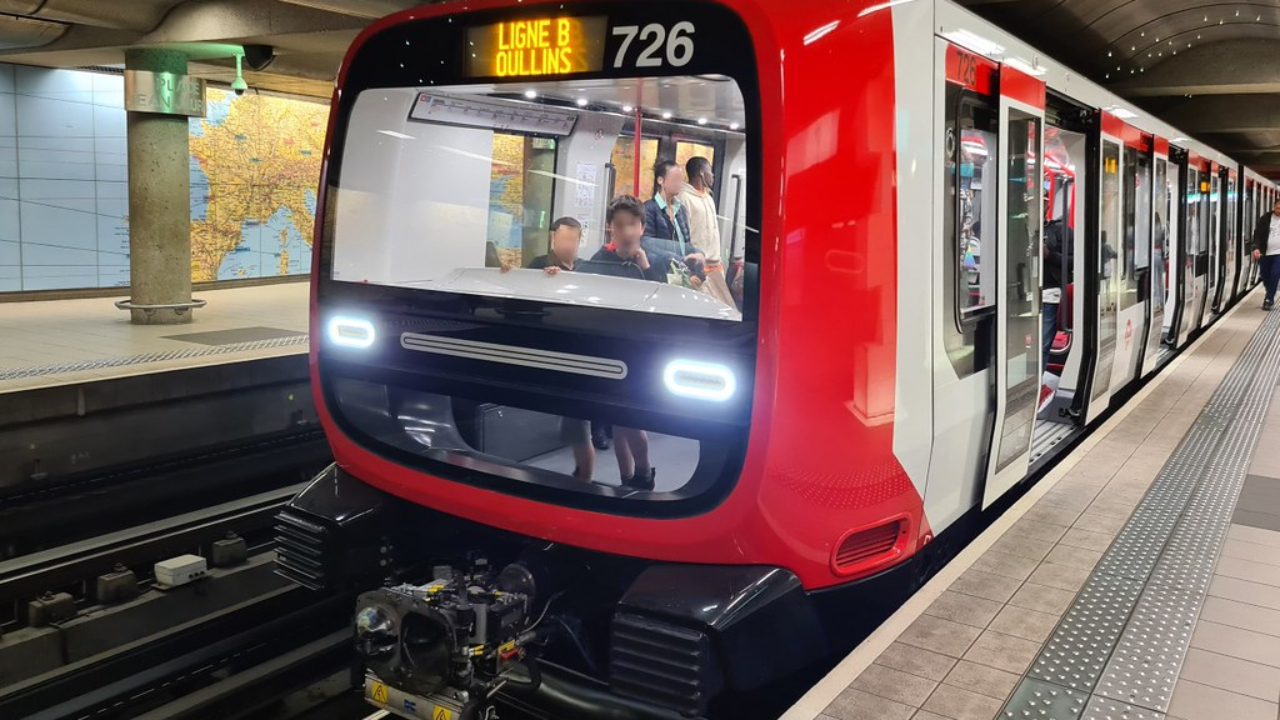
point(536, 47)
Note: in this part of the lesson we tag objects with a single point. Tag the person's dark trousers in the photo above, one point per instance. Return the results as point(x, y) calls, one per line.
point(1049, 329)
point(1270, 267)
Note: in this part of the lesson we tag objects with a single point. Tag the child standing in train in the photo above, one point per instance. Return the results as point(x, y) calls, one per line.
point(625, 220)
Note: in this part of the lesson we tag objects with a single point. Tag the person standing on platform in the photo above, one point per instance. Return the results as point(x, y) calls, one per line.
point(704, 225)
point(1266, 251)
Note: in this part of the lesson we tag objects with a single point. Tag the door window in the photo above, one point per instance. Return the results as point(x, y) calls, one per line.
point(1023, 215)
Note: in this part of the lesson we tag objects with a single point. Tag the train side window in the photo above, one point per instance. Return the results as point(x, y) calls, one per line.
point(686, 149)
point(1134, 258)
point(973, 180)
point(969, 165)
point(624, 160)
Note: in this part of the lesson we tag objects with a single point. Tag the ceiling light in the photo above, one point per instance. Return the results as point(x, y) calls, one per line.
point(627, 108)
point(666, 116)
point(702, 121)
point(531, 94)
point(582, 102)
point(734, 126)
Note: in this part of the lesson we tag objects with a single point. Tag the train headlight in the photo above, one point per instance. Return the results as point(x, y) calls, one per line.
point(351, 332)
point(699, 380)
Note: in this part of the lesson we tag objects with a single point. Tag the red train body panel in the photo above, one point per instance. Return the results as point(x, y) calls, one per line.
point(881, 377)
point(820, 460)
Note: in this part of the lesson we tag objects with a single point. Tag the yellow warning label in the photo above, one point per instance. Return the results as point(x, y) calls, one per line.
point(378, 692)
point(442, 713)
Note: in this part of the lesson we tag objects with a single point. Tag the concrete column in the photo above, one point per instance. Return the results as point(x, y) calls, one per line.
point(159, 200)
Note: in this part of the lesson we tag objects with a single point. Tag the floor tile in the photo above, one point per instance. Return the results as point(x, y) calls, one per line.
point(1087, 539)
point(986, 585)
point(926, 715)
point(1256, 572)
point(1006, 565)
point(1026, 624)
point(1074, 557)
point(1232, 673)
point(1264, 521)
point(1194, 701)
point(1052, 514)
point(1241, 615)
point(956, 703)
point(965, 609)
point(1249, 533)
point(1047, 532)
point(1042, 598)
point(896, 685)
point(940, 636)
point(1251, 551)
point(1094, 521)
point(1062, 577)
point(982, 679)
point(1244, 591)
point(1236, 642)
point(916, 661)
point(854, 704)
point(1004, 652)
point(1026, 547)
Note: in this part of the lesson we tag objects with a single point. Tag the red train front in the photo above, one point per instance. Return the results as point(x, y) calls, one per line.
point(646, 480)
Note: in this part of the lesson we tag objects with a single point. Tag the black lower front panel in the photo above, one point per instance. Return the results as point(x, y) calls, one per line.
point(633, 639)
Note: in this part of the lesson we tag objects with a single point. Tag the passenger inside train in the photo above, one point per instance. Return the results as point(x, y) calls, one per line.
point(561, 192)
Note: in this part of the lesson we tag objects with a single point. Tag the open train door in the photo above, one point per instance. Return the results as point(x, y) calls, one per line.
point(1020, 229)
point(1164, 258)
point(1108, 244)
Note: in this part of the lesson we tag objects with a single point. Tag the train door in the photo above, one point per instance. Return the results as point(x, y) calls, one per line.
point(1018, 320)
point(1232, 253)
point(1133, 258)
point(1197, 241)
point(1153, 356)
point(1251, 213)
point(1107, 270)
point(1175, 318)
point(1214, 241)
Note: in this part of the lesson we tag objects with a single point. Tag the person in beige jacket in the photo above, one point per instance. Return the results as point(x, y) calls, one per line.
point(704, 225)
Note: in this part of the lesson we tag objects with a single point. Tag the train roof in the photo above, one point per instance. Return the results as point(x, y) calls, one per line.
point(962, 27)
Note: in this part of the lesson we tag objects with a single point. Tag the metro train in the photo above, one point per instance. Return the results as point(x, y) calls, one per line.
point(948, 257)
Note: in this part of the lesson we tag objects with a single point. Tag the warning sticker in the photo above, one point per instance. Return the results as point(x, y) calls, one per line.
point(378, 692)
point(442, 713)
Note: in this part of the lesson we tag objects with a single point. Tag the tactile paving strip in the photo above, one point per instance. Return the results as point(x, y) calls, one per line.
point(60, 368)
point(1145, 664)
point(1077, 652)
point(1102, 708)
point(1121, 644)
point(1039, 700)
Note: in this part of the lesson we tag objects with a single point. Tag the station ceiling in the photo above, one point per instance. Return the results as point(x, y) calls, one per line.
point(308, 37)
point(1210, 68)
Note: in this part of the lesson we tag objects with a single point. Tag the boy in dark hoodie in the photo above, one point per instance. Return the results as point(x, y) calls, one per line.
point(625, 218)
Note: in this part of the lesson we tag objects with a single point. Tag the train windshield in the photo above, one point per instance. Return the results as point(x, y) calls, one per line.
point(622, 194)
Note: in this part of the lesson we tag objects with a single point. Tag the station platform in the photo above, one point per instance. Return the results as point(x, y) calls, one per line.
point(62, 342)
point(1139, 579)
